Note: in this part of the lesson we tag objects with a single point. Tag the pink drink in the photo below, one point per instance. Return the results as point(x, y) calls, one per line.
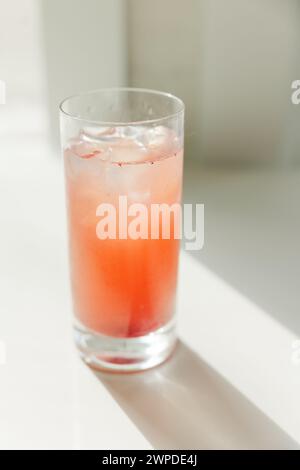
point(122, 288)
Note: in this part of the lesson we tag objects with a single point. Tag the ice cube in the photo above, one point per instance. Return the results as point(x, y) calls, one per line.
point(127, 151)
point(156, 137)
point(98, 134)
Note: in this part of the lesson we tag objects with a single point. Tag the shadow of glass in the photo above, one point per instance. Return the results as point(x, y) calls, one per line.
point(185, 404)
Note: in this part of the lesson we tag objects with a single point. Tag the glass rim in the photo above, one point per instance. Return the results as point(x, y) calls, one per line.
point(108, 123)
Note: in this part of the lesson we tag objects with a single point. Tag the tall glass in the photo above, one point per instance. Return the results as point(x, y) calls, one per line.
point(123, 155)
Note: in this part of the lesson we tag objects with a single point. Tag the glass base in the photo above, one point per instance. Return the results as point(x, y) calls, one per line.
point(125, 354)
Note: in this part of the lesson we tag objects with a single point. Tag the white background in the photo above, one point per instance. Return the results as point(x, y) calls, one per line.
point(234, 381)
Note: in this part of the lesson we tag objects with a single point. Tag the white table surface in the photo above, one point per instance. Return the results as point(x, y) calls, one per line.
point(233, 382)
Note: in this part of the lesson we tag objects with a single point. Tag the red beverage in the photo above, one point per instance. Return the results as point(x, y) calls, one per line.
point(122, 287)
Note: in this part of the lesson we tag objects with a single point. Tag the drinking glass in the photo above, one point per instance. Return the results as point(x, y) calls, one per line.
point(123, 158)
